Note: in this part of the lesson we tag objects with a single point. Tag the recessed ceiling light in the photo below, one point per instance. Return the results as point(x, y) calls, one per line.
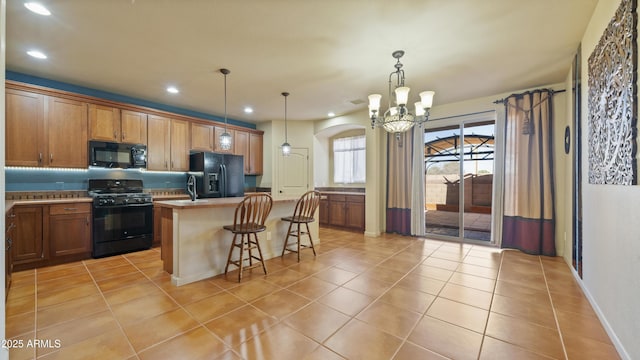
point(248, 110)
point(37, 8)
point(331, 114)
point(36, 54)
point(173, 90)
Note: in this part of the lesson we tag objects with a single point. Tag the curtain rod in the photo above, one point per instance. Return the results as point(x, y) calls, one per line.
point(461, 115)
point(553, 92)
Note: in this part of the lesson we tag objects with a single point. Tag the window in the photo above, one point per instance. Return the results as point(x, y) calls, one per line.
point(349, 160)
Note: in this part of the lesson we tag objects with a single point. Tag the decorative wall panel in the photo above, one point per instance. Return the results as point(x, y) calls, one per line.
point(612, 101)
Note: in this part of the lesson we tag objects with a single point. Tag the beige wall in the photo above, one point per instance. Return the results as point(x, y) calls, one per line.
point(611, 224)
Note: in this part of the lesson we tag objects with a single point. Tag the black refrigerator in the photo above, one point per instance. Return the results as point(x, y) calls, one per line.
point(217, 175)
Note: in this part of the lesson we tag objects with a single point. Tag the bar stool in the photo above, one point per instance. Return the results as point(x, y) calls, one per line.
point(303, 214)
point(249, 219)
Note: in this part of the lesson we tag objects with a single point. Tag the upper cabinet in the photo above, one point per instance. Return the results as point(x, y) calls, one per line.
point(45, 130)
point(133, 127)
point(112, 124)
point(104, 123)
point(202, 137)
point(25, 141)
point(167, 147)
point(50, 128)
point(249, 145)
point(66, 124)
point(179, 145)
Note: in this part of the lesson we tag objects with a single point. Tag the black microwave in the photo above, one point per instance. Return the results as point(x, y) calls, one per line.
point(117, 155)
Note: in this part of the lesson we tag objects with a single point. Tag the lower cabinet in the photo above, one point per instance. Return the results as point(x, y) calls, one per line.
point(28, 243)
point(8, 259)
point(69, 229)
point(50, 234)
point(339, 210)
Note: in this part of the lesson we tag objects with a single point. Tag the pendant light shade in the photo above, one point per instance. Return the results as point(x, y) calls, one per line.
point(225, 138)
point(286, 147)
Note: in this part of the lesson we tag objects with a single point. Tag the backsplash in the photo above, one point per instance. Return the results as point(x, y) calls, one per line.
point(51, 179)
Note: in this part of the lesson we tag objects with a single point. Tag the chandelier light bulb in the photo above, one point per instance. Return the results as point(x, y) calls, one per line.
point(426, 97)
point(402, 95)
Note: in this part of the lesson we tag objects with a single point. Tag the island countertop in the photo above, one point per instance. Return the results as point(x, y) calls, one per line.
point(211, 202)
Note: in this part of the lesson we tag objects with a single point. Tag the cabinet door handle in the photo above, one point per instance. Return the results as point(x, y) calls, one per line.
point(87, 220)
point(166, 166)
point(50, 157)
point(123, 135)
point(70, 209)
point(115, 135)
point(40, 158)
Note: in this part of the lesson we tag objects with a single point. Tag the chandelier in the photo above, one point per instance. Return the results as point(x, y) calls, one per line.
point(398, 119)
point(286, 147)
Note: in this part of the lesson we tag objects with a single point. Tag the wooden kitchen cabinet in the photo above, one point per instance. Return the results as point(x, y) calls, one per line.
point(66, 124)
point(346, 211)
point(69, 229)
point(179, 145)
point(24, 140)
point(111, 124)
point(202, 137)
point(159, 143)
point(249, 145)
point(323, 210)
point(8, 259)
point(45, 131)
point(28, 242)
point(167, 145)
point(133, 126)
point(51, 234)
point(104, 123)
point(255, 154)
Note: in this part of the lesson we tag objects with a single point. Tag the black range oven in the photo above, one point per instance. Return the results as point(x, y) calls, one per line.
point(122, 216)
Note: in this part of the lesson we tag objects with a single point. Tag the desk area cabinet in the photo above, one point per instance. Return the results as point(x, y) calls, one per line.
point(346, 210)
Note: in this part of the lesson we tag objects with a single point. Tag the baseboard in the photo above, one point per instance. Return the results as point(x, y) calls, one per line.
point(612, 335)
point(372, 233)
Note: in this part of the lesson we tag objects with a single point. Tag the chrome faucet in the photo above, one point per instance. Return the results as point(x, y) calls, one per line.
point(191, 187)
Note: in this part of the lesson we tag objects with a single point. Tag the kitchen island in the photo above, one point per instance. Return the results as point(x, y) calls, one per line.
point(194, 244)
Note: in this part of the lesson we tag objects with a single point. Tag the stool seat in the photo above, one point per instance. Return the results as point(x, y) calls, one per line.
point(299, 219)
point(245, 228)
point(248, 221)
point(302, 214)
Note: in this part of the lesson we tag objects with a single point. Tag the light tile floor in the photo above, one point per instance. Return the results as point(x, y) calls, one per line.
point(391, 297)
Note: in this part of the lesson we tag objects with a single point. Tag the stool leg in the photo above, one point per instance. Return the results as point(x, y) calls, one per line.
point(298, 242)
point(286, 240)
point(310, 239)
point(264, 267)
point(241, 261)
point(233, 243)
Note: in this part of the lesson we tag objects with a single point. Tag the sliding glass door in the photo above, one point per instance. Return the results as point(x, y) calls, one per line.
point(459, 163)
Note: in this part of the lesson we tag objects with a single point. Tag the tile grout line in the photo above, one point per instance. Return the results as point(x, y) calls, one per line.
point(109, 307)
point(200, 324)
point(493, 294)
point(553, 309)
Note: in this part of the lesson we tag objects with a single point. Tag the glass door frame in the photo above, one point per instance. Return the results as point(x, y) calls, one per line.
point(463, 121)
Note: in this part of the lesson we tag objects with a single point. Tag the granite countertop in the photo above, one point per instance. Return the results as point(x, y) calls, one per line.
point(8, 204)
point(212, 203)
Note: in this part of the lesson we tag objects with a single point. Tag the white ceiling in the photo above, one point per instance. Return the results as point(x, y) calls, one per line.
point(329, 54)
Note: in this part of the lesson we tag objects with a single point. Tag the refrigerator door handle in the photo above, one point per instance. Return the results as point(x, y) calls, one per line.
point(223, 180)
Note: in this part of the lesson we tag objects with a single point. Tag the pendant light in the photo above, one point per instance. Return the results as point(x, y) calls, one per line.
point(286, 147)
point(225, 138)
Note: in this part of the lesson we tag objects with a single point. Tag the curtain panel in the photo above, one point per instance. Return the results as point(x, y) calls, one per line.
point(529, 211)
point(399, 161)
